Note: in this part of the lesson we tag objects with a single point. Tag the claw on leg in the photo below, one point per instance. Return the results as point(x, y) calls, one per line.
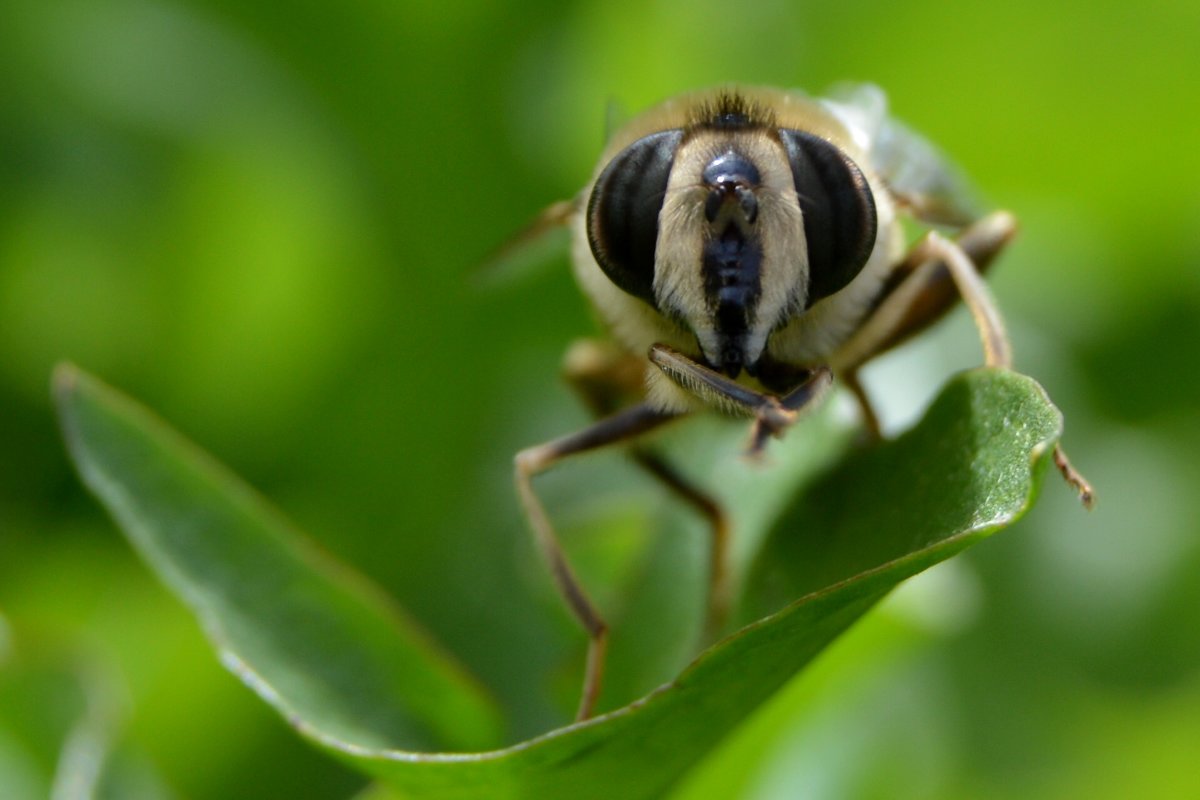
point(1087, 495)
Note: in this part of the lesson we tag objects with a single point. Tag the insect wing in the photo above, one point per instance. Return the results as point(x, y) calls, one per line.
point(927, 184)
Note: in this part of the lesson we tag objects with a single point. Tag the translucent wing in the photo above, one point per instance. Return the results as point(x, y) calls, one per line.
point(927, 183)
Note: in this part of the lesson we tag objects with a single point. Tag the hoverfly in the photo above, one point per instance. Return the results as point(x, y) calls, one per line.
point(743, 246)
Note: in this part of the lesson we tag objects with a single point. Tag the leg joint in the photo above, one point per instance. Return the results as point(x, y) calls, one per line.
point(531, 461)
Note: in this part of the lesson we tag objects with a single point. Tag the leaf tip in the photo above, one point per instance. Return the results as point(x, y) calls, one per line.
point(64, 386)
point(69, 385)
point(64, 379)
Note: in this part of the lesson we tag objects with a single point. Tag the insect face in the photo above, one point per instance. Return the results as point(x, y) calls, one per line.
point(731, 229)
point(742, 246)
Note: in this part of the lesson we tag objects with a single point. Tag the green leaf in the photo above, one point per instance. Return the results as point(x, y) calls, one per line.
point(952, 479)
point(313, 639)
point(969, 468)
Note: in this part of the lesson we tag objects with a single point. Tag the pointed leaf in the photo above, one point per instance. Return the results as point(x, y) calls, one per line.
point(313, 639)
point(969, 468)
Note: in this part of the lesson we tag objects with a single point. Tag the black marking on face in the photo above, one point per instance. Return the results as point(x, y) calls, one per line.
point(731, 257)
point(731, 178)
point(732, 268)
point(839, 211)
point(622, 213)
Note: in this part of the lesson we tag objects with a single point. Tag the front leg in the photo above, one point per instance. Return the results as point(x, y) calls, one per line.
point(606, 376)
point(935, 273)
point(772, 415)
point(623, 426)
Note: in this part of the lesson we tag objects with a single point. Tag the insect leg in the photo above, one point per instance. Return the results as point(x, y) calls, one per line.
point(720, 587)
point(922, 288)
point(919, 292)
point(997, 352)
point(605, 377)
point(870, 420)
point(996, 348)
point(772, 415)
point(935, 272)
point(619, 427)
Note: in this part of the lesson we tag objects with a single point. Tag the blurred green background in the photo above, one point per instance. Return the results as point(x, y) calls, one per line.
point(261, 219)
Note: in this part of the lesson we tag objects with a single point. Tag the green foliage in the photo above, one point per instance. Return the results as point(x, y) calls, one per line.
point(312, 638)
point(350, 673)
point(262, 217)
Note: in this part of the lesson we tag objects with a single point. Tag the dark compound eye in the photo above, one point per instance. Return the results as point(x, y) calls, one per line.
point(622, 214)
point(839, 211)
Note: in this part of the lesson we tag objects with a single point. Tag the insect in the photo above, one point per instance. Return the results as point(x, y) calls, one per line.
point(743, 246)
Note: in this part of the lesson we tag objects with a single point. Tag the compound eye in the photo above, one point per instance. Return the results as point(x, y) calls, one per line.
point(839, 211)
point(622, 213)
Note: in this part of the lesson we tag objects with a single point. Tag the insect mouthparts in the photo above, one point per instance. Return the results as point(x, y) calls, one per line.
point(731, 361)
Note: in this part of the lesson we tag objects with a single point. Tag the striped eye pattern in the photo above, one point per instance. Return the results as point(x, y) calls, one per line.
point(622, 213)
point(839, 211)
